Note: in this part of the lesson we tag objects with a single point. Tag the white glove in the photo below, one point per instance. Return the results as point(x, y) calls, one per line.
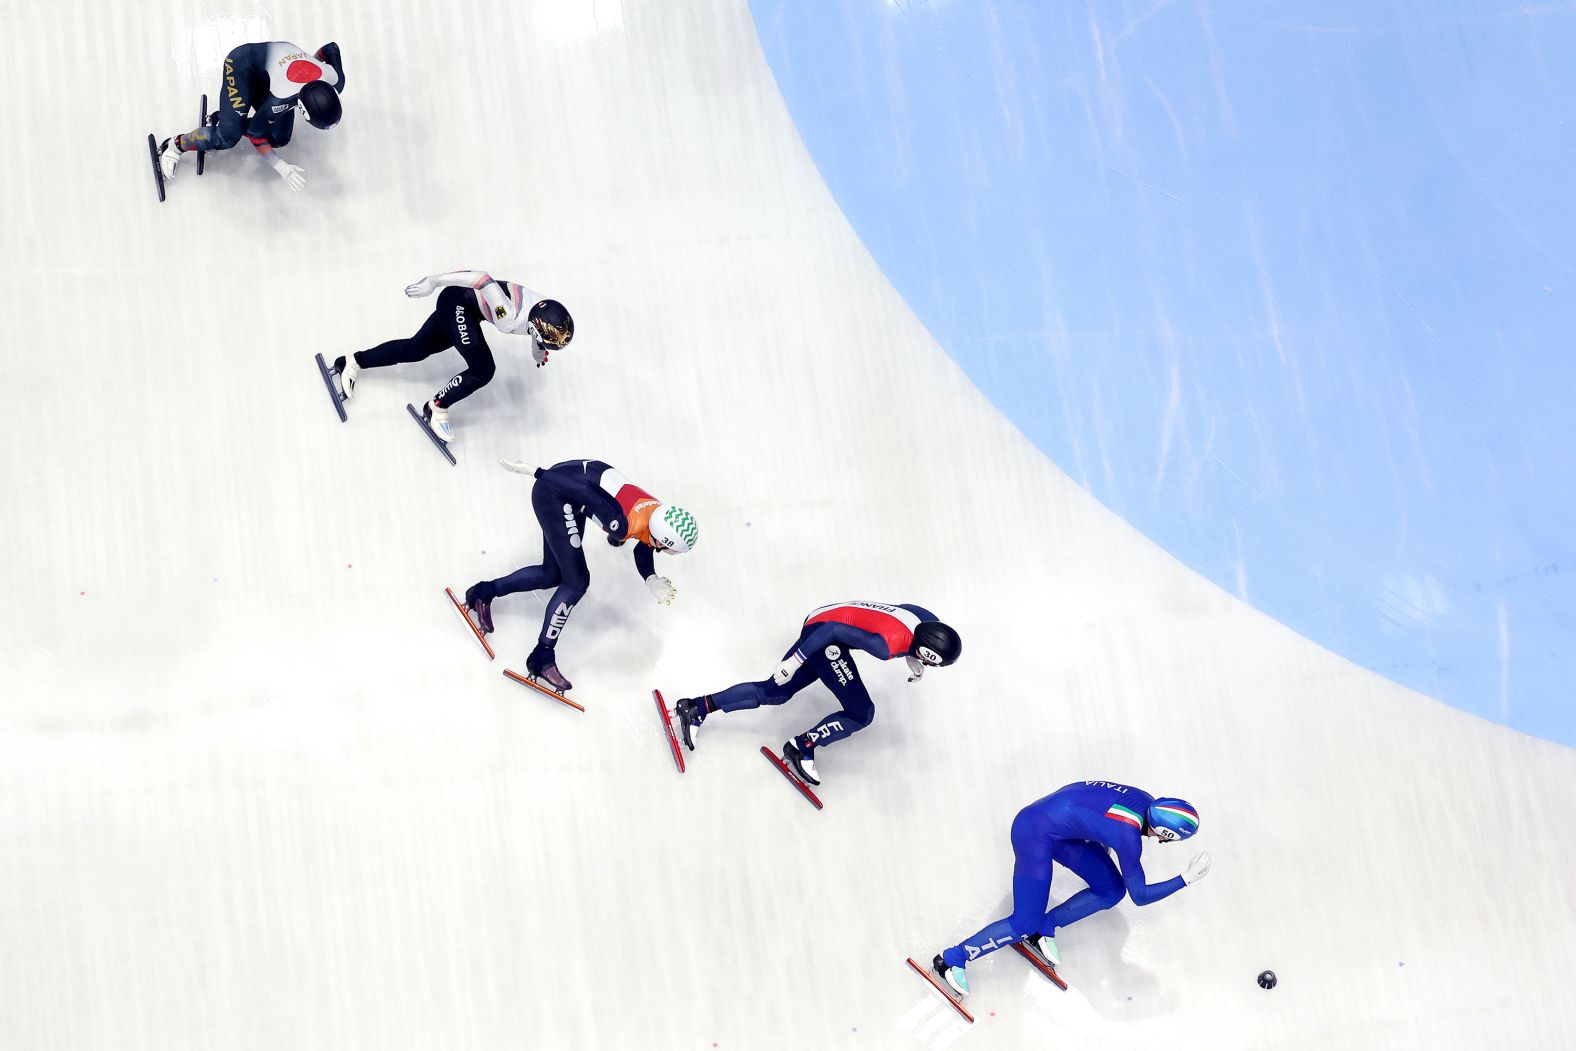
point(517, 466)
point(916, 669)
point(662, 589)
point(421, 288)
point(787, 668)
point(538, 354)
point(294, 177)
point(1197, 869)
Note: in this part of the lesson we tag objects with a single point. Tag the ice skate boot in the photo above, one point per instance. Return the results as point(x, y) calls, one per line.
point(956, 980)
point(543, 667)
point(478, 599)
point(690, 714)
point(1045, 946)
point(802, 762)
point(170, 156)
point(437, 418)
point(348, 371)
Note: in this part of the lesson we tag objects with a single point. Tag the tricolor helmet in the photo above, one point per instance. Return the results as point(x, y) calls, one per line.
point(1171, 818)
point(935, 644)
point(673, 529)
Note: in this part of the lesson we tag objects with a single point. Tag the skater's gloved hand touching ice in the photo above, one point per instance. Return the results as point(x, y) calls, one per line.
point(517, 466)
point(539, 354)
point(294, 177)
point(787, 668)
point(1197, 869)
point(662, 590)
point(421, 288)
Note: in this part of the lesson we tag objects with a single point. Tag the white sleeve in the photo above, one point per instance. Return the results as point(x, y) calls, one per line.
point(463, 278)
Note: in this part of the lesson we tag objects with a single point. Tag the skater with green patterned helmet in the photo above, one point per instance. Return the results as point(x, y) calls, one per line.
point(824, 652)
point(564, 496)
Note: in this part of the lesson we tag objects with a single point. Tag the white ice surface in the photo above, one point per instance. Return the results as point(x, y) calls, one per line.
point(258, 789)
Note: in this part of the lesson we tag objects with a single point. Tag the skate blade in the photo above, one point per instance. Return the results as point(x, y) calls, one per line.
point(441, 445)
point(526, 680)
point(158, 171)
point(793, 779)
point(946, 993)
point(465, 615)
point(667, 728)
point(1041, 964)
point(333, 392)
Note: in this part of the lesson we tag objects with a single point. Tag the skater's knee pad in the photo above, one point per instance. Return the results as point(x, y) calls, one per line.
point(482, 372)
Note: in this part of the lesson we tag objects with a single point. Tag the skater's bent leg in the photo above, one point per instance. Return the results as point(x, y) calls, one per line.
point(223, 135)
point(558, 609)
point(748, 695)
point(562, 528)
point(1094, 866)
point(431, 338)
point(232, 105)
point(478, 360)
point(839, 675)
point(463, 322)
point(1031, 889)
point(531, 578)
point(1029, 895)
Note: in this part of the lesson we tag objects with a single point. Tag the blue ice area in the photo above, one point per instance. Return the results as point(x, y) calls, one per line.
point(1287, 286)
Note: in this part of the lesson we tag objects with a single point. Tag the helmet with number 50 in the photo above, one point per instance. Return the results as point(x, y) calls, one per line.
point(1169, 819)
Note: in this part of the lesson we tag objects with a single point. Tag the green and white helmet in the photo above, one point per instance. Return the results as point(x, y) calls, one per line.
point(673, 529)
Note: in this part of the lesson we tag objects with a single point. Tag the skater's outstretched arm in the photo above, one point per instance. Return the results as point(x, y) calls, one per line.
point(474, 279)
point(1138, 888)
point(502, 306)
point(293, 175)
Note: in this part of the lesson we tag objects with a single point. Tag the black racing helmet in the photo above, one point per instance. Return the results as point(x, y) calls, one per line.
point(321, 103)
point(935, 644)
point(553, 323)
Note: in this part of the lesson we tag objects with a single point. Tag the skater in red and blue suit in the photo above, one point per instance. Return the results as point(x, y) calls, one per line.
point(824, 652)
point(1078, 826)
point(563, 496)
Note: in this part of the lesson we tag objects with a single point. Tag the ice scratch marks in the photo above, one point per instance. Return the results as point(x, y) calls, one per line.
point(1412, 603)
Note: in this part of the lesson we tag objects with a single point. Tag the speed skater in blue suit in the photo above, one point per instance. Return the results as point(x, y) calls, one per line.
point(1078, 826)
